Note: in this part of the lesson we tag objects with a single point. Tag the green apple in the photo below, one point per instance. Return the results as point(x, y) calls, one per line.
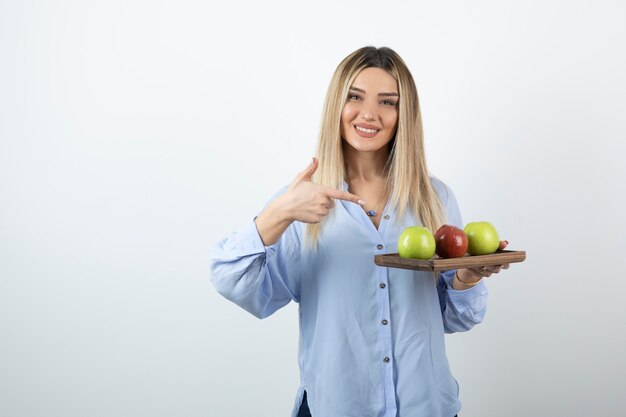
point(416, 242)
point(483, 238)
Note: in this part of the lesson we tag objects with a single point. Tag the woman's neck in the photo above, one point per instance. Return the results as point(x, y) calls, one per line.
point(365, 166)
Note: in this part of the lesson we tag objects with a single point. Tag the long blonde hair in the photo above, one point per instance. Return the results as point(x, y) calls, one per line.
point(406, 172)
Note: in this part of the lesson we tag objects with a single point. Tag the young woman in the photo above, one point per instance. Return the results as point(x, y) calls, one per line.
point(371, 338)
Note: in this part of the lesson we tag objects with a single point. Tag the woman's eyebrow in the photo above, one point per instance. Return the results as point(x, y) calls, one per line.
point(380, 94)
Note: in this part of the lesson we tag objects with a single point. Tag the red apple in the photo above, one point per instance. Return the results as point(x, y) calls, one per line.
point(451, 241)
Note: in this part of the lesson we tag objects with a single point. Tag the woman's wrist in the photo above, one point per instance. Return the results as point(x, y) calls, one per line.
point(280, 209)
point(272, 222)
point(463, 283)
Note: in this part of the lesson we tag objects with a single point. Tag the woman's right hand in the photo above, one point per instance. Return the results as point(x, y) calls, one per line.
point(304, 201)
point(308, 202)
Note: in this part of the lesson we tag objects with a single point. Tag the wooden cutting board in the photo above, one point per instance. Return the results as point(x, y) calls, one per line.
point(393, 260)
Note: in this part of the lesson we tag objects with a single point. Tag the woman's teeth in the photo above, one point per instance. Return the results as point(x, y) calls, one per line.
point(362, 129)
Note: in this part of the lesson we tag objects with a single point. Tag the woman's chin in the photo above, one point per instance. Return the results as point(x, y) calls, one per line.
point(365, 145)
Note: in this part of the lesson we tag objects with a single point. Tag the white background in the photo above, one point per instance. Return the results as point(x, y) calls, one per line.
point(136, 134)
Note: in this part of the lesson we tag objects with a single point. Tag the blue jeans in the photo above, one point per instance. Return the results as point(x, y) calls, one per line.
point(304, 408)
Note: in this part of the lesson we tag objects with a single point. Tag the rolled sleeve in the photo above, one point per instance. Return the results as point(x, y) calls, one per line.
point(461, 309)
point(260, 279)
point(245, 241)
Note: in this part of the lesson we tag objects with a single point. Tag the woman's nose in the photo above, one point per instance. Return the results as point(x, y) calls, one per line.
point(368, 112)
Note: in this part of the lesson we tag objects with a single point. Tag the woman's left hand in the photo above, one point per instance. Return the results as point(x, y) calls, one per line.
point(467, 278)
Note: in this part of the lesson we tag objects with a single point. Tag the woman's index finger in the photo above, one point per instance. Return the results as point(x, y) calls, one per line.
point(344, 195)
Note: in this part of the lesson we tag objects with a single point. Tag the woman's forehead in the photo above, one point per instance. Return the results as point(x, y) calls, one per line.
point(375, 80)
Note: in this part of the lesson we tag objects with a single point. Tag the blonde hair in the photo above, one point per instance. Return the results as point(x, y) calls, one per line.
point(406, 172)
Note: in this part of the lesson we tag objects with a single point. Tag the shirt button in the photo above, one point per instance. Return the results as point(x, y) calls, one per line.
point(382, 285)
point(386, 217)
point(379, 247)
point(385, 322)
point(386, 359)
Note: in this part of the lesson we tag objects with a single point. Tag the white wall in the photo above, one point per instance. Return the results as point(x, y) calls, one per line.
point(136, 134)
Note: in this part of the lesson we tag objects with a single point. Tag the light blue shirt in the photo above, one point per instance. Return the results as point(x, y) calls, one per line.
point(371, 337)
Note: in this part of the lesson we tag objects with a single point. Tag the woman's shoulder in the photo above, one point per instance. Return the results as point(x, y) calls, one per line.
point(448, 201)
point(441, 188)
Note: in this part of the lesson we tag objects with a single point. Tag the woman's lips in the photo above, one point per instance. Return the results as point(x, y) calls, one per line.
point(366, 132)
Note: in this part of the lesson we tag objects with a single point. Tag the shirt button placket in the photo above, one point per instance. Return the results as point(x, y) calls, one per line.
point(384, 330)
point(385, 333)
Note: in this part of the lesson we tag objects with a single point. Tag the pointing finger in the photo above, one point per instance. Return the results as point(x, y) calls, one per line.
point(344, 195)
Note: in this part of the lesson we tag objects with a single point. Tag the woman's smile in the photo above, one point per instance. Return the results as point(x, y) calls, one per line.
point(366, 131)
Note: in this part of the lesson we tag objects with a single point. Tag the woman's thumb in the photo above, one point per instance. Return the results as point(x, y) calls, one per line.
point(308, 172)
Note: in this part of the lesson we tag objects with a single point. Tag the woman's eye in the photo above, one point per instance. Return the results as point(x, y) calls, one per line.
point(389, 103)
point(353, 97)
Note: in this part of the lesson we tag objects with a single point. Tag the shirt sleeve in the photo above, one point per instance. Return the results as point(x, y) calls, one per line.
point(260, 279)
point(461, 309)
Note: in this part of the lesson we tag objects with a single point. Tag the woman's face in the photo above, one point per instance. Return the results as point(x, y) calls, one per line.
point(370, 115)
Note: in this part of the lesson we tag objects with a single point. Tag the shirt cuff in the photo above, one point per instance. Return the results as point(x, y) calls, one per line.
point(269, 250)
point(245, 241)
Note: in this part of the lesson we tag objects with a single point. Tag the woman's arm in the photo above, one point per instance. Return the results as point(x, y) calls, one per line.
point(463, 305)
point(261, 279)
point(258, 267)
point(461, 309)
point(462, 293)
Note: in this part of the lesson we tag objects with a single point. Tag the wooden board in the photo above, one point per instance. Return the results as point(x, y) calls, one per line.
point(393, 260)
